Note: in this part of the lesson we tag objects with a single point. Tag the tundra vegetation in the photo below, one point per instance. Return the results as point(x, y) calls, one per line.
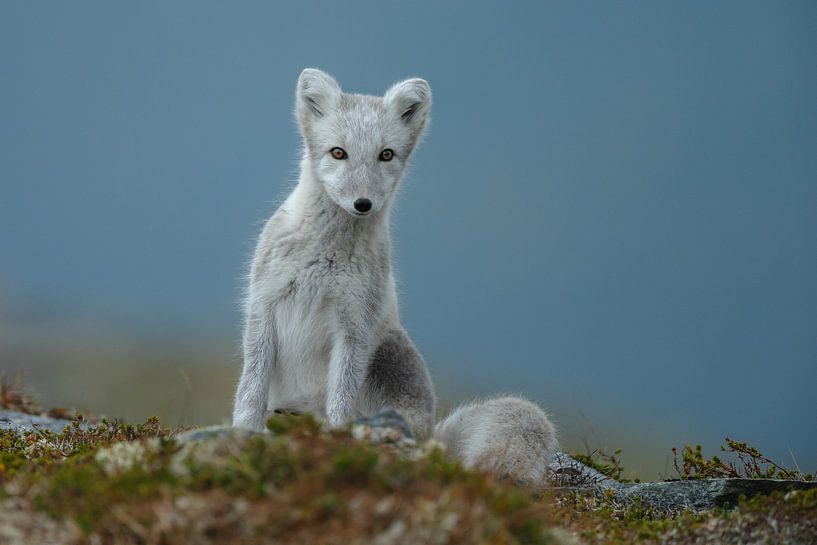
point(105, 481)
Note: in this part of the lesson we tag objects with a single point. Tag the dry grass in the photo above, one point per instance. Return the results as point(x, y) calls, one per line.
point(121, 484)
point(13, 398)
point(112, 483)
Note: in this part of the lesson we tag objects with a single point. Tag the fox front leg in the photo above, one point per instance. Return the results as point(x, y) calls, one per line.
point(348, 365)
point(253, 387)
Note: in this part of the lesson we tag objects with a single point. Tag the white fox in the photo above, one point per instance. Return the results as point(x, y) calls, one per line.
point(322, 332)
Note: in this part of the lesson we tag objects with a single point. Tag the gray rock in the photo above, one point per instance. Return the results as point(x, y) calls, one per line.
point(572, 475)
point(702, 494)
point(569, 472)
point(24, 423)
point(387, 418)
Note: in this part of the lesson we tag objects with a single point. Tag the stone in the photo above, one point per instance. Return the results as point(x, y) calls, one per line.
point(387, 418)
point(25, 423)
point(565, 471)
point(701, 494)
point(698, 494)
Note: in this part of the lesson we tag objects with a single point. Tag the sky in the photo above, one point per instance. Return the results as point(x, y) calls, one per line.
point(614, 211)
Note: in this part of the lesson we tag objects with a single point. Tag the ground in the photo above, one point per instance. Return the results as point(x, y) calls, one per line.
point(108, 482)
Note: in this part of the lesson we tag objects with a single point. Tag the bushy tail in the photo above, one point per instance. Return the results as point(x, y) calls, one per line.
point(508, 436)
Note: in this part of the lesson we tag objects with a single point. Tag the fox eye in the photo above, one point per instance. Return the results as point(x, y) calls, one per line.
point(338, 153)
point(386, 155)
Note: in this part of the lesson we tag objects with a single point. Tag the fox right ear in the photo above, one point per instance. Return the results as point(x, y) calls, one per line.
point(317, 94)
point(411, 100)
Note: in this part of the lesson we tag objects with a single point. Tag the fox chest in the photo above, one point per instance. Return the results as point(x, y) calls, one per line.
point(304, 333)
point(304, 309)
point(308, 298)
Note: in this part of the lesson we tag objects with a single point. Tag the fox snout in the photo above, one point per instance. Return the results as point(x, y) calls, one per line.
point(363, 206)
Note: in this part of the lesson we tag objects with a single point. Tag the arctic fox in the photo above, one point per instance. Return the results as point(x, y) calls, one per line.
point(322, 332)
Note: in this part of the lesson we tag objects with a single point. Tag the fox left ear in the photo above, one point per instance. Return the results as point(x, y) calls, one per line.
point(318, 93)
point(412, 101)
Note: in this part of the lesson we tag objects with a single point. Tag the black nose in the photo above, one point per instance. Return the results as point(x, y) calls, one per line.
point(363, 205)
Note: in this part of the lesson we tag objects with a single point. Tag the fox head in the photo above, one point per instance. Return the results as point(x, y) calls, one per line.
point(358, 146)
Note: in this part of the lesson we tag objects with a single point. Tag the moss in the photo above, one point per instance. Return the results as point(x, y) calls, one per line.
point(354, 465)
point(441, 467)
point(300, 425)
point(117, 483)
point(83, 487)
point(41, 448)
point(299, 484)
point(789, 517)
point(604, 520)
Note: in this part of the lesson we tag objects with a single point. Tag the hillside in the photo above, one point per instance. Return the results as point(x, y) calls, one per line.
point(110, 482)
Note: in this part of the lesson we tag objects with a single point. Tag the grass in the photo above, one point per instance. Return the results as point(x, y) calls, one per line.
point(111, 482)
point(302, 485)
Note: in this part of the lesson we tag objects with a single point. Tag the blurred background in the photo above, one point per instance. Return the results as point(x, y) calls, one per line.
point(614, 212)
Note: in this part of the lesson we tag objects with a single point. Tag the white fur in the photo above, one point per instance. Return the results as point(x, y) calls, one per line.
point(322, 332)
point(321, 298)
point(508, 436)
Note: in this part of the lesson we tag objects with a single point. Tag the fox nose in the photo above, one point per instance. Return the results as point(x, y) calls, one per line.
point(363, 205)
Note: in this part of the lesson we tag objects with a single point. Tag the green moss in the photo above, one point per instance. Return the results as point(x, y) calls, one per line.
point(775, 518)
point(328, 505)
point(793, 502)
point(41, 448)
point(82, 488)
point(605, 520)
point(354, 464)
point(301, 483)
point(293, 424)
point(304, 477)
point(441, 467)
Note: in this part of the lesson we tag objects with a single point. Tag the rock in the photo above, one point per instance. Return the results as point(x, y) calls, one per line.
point(24, 423)
point(381, 426)
point(702, 494)
point(568, 472)
point(387, 418)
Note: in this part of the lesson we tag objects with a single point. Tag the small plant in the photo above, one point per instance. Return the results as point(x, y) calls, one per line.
point(12, 398)
point(41, 448)
point(608, 464)
point(749, 464)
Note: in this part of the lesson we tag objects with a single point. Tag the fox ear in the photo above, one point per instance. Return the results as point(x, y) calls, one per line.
point(412, 101)
point(317, 94)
